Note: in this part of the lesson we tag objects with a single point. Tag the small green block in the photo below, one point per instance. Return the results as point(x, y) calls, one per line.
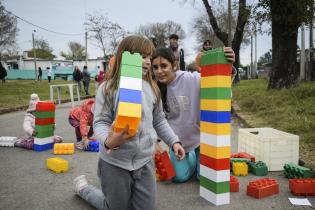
point(259, 168)
point(44, 114)
point(131, 71)
point(292, 170)
point(215, 56)
point(215, 93)
point(134, 59)
point(216, 187)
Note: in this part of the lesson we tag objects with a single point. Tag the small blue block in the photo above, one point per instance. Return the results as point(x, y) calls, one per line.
point(131, 96)
point(93, 146)
point(43, 147)
point(215, 117)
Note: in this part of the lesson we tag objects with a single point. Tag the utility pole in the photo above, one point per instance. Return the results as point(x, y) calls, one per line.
point(255, 61)
point(311, 74)
point(86, 54)
point(34, 50)
point(251, 58)
point(230, 23)
point(302, 54)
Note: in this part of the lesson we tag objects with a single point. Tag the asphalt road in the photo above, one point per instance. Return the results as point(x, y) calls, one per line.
point(26, 183)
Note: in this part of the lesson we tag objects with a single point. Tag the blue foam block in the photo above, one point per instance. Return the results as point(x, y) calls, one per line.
point(43, 147)
point(215, 117)
point(93, 146)
point(131, 96)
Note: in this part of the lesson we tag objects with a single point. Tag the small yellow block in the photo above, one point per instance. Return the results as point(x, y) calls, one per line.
point(215, 105)
point(128, 114)
point(63, 148)
point(215, 81)
point(215, 128)
point(240, 168)
point(57, 165)
point(215, 152)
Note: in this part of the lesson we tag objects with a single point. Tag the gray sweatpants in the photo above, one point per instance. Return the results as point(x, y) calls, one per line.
point(122, 189)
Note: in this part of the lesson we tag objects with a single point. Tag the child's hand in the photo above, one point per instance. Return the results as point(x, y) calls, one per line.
point(116, 139)
point(85, 142)
point(229, 53)
point(34, 132)
point(179, 151)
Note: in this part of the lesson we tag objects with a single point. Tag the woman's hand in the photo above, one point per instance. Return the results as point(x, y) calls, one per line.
point(179, 151)
point(229, 53)
point(116, 139)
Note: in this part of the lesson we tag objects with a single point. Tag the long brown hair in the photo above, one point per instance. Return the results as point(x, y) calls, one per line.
point(133, 44)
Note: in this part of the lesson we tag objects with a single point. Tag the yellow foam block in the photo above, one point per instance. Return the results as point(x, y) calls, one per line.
point(128, 114)
point(215, 128)
point(63, 148)
point(240, 168)
point(215, 152)
point(215, 81)
point(57, 165)
point(215, 105)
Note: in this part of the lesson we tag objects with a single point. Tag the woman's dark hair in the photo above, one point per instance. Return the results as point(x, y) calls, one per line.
point(207, 42)
point(167, 54)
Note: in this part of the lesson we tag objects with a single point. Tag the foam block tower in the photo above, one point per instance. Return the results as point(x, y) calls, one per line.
point(215, 127)
point(44, 125)
point(130, 90)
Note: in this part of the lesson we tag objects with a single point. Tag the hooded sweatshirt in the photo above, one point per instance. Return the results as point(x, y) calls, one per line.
point(137, 151)
point(184, 108)
point(29, 119)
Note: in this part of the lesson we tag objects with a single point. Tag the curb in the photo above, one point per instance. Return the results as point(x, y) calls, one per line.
point(23, 108)
point(235, 110)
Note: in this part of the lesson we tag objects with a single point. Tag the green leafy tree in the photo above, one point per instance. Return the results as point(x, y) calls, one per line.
point(76, 51)
point(265, 58)
point(286, 16)
point(43, 49)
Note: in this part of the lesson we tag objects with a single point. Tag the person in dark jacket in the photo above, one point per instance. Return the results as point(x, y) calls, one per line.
point(40, 74)
point(3, 73)
point(86, 80)
point(77, 76)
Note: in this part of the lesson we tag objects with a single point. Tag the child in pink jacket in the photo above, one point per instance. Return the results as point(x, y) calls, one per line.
point(81, 118)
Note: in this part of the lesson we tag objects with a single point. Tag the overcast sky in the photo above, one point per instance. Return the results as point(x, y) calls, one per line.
point(67, 16)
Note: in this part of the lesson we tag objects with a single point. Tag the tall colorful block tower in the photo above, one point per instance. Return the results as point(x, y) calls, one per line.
point(130, 93)
point(44, 125)
point(215, 127)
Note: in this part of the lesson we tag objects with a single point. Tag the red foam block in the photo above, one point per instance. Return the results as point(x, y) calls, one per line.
point(261, 188)
point(216, 164)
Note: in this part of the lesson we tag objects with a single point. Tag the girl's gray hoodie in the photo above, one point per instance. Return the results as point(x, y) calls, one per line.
point(138, 151)
point(183, 100)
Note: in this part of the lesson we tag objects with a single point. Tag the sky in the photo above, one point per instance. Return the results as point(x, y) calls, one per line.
point(68, 16)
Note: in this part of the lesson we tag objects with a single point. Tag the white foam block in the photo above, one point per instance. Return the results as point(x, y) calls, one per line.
point(130, 83)
point(42, 141)
point(216, 176)
point(215, 140)
point(216, 199)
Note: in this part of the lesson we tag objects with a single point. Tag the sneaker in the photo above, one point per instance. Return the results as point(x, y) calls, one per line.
point(7, 141)
point(79, 184)
point(79, 145)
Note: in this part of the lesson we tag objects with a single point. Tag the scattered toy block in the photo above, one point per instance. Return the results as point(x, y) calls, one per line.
point(164, 167)
point(243, 155)
point(261, 188)
point(57, 165)
point(234, 184)
point(292, 170)
point(241, 160)
point(93, 146)
point(259, 169)
point(63, 148)
point(240, 169)
point(302, 187)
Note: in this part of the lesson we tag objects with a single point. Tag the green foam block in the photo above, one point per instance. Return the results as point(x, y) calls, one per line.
point(215, 93)
point(131, 71)
point(216, 187)
point(44, 114)
point(134, 59)
point(215, 56)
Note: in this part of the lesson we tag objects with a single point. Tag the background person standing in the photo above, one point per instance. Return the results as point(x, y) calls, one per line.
point(86, 80)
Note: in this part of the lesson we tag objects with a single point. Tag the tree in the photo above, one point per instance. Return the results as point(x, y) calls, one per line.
point(43, 49)
point(265, 58)
point(106, 33)
point(8, 29)
point(77, 51)
point(286, 17)
point(203, 29)
point(242, 19)
point(159, 32)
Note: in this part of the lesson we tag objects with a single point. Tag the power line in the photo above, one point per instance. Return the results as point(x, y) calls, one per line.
point(45, 29)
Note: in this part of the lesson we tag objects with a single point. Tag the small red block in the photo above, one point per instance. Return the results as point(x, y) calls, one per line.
point(302, 187)
point(234, 184)
point(164, 166)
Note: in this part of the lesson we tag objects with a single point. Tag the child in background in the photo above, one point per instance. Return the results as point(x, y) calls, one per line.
point(80, 118)
point(180, 92)
point(27, 141)
point(125, 168)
